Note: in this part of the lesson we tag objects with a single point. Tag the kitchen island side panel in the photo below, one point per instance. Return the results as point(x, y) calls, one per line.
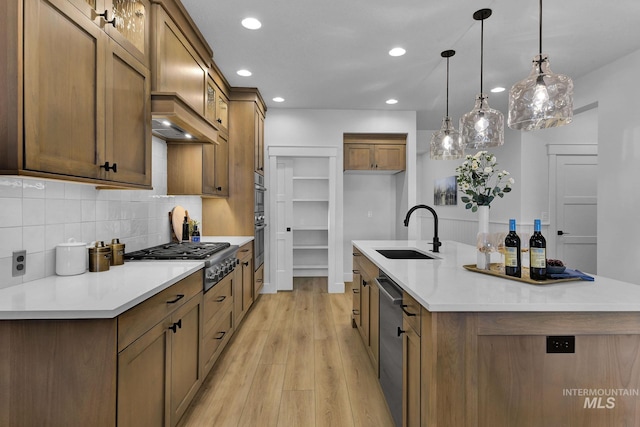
point(493, 369)
point(58, 373)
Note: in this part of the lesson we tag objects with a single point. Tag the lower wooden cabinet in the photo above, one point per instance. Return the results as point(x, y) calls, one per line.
point(159, 373)
point(258, 281)
point(217, 321)
point(368, 322)
point(243, 286)
point(410, 375)
point(356, 304)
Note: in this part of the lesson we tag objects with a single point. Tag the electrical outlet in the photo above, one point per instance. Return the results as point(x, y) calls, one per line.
point(19, 264)
point(561, 344)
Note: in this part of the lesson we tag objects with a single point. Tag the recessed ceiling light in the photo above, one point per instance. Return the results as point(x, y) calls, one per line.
point(397, 51)
point(244, 73)
point(188, 135)
point(278, 99)
point(251, 23)
point(392, 101)
point(498, 89)
point(166, 123)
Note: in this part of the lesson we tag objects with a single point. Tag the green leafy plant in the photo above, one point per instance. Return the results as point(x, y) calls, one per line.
point(481, 181)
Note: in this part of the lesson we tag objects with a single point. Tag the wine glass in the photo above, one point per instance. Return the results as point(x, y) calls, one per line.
point(498, 240)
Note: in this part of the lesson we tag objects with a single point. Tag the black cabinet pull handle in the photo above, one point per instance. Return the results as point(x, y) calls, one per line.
point(221, 336)
point(407, 312)
point(177, 325)
point(222, 298)
point(356, 271)
point(105, 15)
point(244, 250)
point(218, 188)
point(178, 298)
point(355, 291)
point(219, 121)
point(108, 167)
point(364, 283)
point(355, 254)
point(245, 263)
point(356, 312)
point(400, 331)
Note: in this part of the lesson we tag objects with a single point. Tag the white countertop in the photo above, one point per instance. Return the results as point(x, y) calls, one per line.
point(444, 285)
point(99, 295)
point(92, 295)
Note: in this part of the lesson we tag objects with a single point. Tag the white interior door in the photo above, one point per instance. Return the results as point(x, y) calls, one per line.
point(283, 219)
point(576, 208)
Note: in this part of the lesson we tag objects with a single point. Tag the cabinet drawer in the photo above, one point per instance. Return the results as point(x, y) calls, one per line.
point(217, 337)
point(366, 268)
point(245, 251)
point(216, 300)
point(411, 311)
point(139, 319)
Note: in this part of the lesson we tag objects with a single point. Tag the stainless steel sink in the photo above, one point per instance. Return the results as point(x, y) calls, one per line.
point(403, 254)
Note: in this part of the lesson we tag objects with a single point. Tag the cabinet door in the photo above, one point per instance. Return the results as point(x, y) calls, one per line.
point(185, 356)
point(247, 282)
point(259, 143)
point(258, 281)
point(358, 157)
point(142, 379)
point(131, 26)
point(365, 291)
point(390, 157)
point(208, 169)
point(128, 118)
point(64, 64)
point(238, 313)
point(410, 376)
point(222, 112)
point(355, 310)
point(374, 326)
point(221, 170)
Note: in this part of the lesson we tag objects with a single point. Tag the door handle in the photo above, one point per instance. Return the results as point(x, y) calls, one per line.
point(288, 228)
point(561, 233)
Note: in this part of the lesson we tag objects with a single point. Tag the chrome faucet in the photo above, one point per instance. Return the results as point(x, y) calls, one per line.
point(436, 241)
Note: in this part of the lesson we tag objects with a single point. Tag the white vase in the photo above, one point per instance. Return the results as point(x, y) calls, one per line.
point(483, 232)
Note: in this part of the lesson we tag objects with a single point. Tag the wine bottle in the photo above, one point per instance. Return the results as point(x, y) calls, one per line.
point(185, 230)
point(195, 236)
point(512, 262)
point(537, 253)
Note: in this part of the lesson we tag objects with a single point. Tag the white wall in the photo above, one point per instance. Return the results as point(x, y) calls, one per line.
point(614, 125)
point(37, 214)
point(326, 128)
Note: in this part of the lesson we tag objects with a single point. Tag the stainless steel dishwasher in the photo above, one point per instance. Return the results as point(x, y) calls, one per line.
point(391, 345)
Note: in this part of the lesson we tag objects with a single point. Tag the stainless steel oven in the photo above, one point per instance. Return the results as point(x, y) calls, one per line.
point(260, 225)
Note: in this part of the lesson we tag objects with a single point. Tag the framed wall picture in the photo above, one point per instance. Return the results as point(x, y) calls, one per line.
point(445, 191)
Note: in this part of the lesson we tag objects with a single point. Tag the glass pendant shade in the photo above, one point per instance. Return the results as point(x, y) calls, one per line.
point(542, 100)
point(482, 127)
point(446, 144)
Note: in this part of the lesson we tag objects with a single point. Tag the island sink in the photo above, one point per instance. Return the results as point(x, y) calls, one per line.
point(403, 254)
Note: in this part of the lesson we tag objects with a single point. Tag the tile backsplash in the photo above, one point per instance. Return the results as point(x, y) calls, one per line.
point(38, 214)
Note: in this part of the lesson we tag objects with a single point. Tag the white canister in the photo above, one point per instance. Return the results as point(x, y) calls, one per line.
point(71, 258)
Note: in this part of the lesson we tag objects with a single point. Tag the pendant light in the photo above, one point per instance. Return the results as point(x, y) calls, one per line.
point(446, 144)
point(482, 127)
point(543, 99)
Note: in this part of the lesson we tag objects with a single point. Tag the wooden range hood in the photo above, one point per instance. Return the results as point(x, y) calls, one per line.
point(173, 119)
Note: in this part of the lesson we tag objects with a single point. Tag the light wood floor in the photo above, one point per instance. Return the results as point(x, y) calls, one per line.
point(295, 361)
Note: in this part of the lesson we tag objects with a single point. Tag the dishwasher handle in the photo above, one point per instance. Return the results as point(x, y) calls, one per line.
point(389, 290)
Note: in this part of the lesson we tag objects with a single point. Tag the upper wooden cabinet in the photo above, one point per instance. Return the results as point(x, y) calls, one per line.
point(75, 98)
point(198, 169)
point(259, 142)
point(381, 152)
point(180, 56)
point(217, 108)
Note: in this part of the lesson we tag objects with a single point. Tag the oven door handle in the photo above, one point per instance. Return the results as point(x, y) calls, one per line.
point(261, 226)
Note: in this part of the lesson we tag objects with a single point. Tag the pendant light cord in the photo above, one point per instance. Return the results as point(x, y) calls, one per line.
point(447, 87)
point(540, 34)
point(482, 51)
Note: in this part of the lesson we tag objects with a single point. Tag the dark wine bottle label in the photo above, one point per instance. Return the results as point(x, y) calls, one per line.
point(511, 257)
point(538, 258)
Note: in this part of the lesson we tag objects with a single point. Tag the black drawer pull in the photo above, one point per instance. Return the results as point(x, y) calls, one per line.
point(356, 312)
point(400, 331)
point(355, 254)
point(356, 271)
point(221, 336)
point(245, 263)
point(407, 312)
point(355, 291)
point(222, 298)
point(176, 326)
point(178, 298)
point(108, 167)
point(364, 283)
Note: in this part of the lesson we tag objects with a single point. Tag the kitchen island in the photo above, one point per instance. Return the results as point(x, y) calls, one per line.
point(496, 352)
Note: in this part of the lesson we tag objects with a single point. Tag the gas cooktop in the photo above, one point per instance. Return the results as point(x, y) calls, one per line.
point(178, 251)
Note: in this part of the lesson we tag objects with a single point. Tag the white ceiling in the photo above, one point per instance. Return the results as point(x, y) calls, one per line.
point(333, 54)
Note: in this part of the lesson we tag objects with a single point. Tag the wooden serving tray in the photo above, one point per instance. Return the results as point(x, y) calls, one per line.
point(494, 270)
